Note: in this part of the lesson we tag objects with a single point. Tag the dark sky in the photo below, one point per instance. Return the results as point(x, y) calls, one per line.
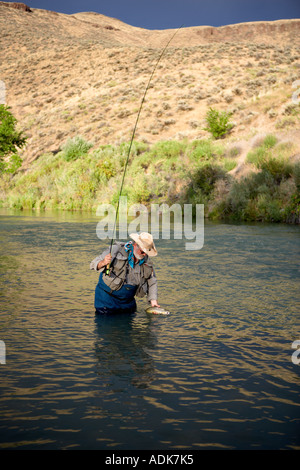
point(163, 14)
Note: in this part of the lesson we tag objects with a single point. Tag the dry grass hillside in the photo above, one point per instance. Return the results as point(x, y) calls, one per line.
point(85, 74)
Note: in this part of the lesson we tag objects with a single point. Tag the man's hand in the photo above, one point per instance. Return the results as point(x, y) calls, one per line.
point(107, 259)
point(154, 303)
point(104, 262)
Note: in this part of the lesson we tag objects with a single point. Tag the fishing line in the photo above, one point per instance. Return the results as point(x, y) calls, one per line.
point(133, 134)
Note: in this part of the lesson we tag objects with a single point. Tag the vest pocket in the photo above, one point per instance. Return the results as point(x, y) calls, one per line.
point(117, 276)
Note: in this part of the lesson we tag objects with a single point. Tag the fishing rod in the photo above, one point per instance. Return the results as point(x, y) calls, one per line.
point(132, 137)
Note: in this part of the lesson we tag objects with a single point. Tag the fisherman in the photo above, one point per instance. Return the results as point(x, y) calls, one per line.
point(130, 274)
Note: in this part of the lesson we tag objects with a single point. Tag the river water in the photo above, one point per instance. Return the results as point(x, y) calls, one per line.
point(217, 373)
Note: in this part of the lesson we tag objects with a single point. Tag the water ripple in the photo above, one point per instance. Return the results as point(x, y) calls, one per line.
point(215, 374)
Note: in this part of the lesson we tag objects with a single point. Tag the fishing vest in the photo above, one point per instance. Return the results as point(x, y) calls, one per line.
point(118, 272)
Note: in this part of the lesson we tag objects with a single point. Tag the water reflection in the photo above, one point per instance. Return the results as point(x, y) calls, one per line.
point(121, 349)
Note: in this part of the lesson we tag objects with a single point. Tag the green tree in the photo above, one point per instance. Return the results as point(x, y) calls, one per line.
point(10, 141)
point(218, 122)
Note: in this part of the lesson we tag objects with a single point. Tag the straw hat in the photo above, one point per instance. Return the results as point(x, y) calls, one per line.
point(145, 242)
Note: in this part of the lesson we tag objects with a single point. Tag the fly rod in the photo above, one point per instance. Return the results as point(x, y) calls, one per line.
point(132, 137)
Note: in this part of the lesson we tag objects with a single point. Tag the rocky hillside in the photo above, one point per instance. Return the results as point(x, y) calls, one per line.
point(85, 74)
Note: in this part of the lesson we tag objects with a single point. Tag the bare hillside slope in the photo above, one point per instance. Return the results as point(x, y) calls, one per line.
point(85, 74)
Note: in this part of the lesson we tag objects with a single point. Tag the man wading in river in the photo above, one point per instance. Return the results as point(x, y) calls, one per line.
point(130, 274)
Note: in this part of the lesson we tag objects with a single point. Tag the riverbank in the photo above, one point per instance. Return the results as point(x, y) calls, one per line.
point(259, 184)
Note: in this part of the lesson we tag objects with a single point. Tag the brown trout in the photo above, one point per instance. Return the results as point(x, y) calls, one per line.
point(157, 311)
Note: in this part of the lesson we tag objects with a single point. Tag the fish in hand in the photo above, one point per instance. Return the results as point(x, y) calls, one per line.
point(157, 311)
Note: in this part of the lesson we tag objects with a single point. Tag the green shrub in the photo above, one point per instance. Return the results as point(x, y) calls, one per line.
point(203, 182)
point(218, 122)
point(201, 150)
point(105, 168)
point(168, 148)
point(256, 156)
point(12, 165)
point(142, 161)
point(75, 148)
point(204, 150)
point(270, 141)
point(237, 199)
point(292, 211)
point(137, 193)
point(279, 168)
point(229, 164)
point(10, 140)
point(296, 175)
point(262, 196)
point(268, 209)
point(259, 154)
point(136, 148)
